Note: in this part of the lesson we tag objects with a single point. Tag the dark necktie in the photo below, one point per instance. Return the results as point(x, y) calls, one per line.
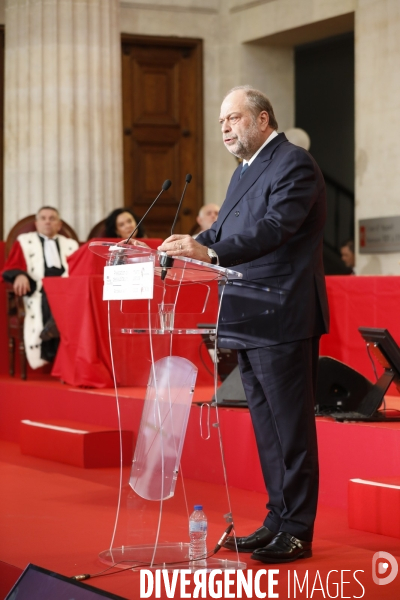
point(244, 169)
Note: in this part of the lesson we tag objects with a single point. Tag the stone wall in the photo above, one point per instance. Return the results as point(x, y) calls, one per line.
point(251, 41)
point(377, 57)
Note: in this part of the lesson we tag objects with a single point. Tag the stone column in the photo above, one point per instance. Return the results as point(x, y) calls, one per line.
point(63, 124)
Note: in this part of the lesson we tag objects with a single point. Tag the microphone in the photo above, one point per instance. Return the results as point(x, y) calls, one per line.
point(165, 261)
point(188, 179)
point(223, 538)
point(165, 186)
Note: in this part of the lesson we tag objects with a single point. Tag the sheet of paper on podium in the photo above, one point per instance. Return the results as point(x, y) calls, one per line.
point(132, 281)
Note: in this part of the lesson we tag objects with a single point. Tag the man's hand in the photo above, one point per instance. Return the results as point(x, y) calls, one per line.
point(21, 285)
point(184, 245)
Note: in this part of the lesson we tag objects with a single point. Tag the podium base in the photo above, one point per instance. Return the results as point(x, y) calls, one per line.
point(167, 556)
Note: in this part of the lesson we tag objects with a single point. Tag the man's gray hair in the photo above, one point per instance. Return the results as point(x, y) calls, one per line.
point(257, 102)
point(47, 208)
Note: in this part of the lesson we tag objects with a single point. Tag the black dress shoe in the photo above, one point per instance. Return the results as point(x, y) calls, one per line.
point(50, 331)
point(283, 548)
point(258, 539)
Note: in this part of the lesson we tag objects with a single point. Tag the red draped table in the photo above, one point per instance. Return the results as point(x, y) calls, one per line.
point(83, 358)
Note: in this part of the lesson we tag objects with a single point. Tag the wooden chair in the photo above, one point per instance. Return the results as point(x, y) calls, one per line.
point(98, 230)
point(14, 303)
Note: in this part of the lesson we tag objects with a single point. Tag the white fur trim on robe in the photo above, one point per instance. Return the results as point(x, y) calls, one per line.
point(32, 249)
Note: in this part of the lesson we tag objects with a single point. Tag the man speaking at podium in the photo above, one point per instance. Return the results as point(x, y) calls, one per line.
point(270, 228)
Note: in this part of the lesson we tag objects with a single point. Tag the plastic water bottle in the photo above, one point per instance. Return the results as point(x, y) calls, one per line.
point(197, 533)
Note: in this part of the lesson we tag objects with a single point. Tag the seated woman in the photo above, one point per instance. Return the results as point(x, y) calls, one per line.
point(120, 224)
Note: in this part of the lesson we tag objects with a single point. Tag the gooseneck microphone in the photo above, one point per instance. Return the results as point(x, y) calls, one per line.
point(188, 179)
point(165, 186)
point(165, 261)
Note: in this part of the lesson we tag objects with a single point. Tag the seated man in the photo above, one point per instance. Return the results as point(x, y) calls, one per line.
point(208, 214)
point(33, 256)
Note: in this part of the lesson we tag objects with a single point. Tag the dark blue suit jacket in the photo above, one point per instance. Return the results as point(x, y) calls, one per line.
point(270, 228)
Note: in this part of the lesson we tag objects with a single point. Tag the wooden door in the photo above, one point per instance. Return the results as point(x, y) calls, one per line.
point(163, 129)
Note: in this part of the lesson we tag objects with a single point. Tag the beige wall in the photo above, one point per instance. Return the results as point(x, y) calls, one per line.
point(252, 20)
point(378, 120)
point(251, 41)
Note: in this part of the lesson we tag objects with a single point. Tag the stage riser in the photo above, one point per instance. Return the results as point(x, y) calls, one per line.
point(347, 450)
point(36, 400)
point(355, 451)
point(375, 506)
point(73, 443)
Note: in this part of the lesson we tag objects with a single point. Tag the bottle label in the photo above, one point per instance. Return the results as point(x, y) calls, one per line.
point(198, 526)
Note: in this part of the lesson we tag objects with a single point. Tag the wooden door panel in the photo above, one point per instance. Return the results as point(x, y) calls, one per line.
point(155, 93)
point(155, 164)
point(160, 134)
point(163, 130)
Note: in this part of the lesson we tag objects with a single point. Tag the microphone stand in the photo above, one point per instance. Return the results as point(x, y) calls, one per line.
point(165, 186)
point(165, 261)
point(118, 253)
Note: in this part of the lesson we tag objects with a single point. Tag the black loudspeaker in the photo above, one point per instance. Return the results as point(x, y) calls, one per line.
point(231, 392)
point(339, 387)
point(36, 583)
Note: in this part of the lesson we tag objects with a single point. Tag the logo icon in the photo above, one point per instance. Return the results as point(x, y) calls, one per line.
point(382, 568)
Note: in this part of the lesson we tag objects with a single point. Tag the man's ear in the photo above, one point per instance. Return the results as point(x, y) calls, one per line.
point(264, 119)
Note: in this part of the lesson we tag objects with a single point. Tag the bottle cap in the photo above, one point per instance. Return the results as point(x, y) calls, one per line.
point(198, 507)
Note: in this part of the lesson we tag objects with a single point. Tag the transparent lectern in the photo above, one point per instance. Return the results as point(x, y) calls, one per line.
point(155, 335)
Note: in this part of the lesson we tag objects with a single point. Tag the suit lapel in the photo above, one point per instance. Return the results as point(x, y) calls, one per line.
point(239, 187)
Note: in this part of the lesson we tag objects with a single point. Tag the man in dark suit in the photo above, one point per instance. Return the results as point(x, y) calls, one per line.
point(270, 228)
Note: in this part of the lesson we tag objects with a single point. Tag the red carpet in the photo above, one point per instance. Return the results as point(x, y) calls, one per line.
point(59, 517)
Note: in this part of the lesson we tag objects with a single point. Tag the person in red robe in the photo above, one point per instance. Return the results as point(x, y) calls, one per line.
point(34, 255)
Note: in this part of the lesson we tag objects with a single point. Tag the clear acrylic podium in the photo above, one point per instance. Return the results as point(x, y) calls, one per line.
point(149, 332)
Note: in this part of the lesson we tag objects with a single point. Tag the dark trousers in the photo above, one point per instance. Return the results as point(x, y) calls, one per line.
point(279, 382)
point(49, 348)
